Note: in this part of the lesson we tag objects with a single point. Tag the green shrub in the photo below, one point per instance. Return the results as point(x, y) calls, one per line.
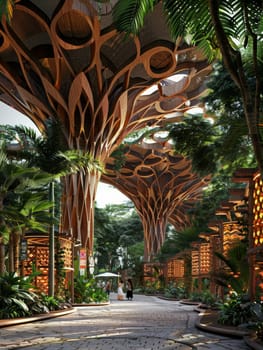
point(259, 330)
point(87, 291)
point(239, 310)
point(196, 296)
point(206, 297)
point(151, 288)
point(210, 299)
point(51, 303)
point(175, 291)
point(16, 298)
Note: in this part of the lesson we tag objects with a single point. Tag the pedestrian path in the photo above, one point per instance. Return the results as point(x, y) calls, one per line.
point(144, 323)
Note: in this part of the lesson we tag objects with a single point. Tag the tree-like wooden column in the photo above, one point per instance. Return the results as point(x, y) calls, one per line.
point(179, 218)
point(157, 181)
point(61, 59)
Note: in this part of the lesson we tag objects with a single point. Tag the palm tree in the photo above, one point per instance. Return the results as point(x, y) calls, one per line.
point(15, 178)
point(51, 154)
point(234, 272)
point(27, 210)
point(230, 28)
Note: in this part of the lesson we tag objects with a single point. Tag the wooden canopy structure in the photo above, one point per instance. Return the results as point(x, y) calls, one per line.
point(159, 183)
point(64, 59)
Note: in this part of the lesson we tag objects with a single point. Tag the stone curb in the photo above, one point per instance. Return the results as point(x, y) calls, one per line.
point(200, 324)
point(91, 304)
point(252, 342)
point(16, 321)
point(51, 314)
point(248, 337)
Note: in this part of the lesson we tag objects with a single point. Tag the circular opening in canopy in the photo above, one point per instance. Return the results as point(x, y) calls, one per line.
point(73, 28)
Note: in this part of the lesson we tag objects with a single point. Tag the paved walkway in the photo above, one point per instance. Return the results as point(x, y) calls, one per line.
point(146, 323)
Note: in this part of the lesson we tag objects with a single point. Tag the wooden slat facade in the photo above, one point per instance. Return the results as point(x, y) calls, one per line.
point(38, 256)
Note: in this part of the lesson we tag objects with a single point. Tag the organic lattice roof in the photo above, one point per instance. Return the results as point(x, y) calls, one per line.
point(64, 59)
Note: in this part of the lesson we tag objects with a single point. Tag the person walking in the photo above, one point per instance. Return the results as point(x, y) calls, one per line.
point(129, 293)
point(108, 288)
point(120, 294)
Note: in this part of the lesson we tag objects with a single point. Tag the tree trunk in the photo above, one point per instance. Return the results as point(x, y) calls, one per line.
point(2, 246)
point(2, 258)
point(154, 235)
point(51, 256)
point(233, 63)
point(78, 207)
point(16, 240)
point(11, 266)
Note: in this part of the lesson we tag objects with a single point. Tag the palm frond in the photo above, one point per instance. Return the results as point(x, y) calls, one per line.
point(6, 8)
point(27, 135)
point(3, 158)
point(192, 20)
point(129, 16)
point(227, 261)
point(77, 160)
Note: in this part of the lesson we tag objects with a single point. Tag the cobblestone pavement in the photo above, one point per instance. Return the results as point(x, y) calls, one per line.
point(146, 323)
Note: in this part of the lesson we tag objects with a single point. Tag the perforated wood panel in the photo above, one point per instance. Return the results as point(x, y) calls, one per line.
point(195, 262)
point(152, 272)
point(258, 213)
point(38, 255)
point(232, 233)
point(175, 268)
point(216, 243)
point(205, 258)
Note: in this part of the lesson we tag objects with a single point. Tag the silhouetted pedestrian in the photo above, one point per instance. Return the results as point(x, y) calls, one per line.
point(120, 295)
point(108, 288)
point(129, 293)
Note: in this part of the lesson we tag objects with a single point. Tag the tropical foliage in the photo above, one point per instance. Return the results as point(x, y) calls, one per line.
point(50, 151)
point(197, 139)
point(239, 310)
point(224, 107)
point(50, 155)
point(88, 291)
point(231, 29)
point(175, 290)
point(234, 274)
point(17, 298)
point(23, 204)
point(118, 231)
point(6, 8)
point(217, 139)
